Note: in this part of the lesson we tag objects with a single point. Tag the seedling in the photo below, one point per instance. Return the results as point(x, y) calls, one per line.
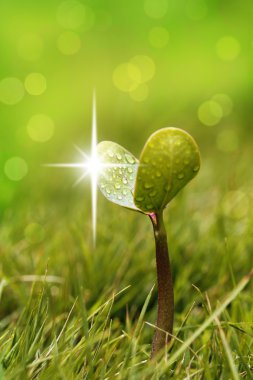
point(168, 161)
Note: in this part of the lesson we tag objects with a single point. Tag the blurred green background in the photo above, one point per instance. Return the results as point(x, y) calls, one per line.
point(153, 63)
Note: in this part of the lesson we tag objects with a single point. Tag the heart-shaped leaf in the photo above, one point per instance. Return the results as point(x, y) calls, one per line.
point(169, 160)
point(117, 176)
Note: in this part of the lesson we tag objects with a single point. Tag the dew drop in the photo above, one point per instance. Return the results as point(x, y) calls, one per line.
point(110, 154)
point(148, 185)
point(168, 187)
point(119, 157)
point(180, 176)
point(149, 207)
point(129, 159)
point(196, 168)
point(158, 174)
point(153, 193)
point(119, 197)
point(108, 190)
point(178, 143)
point(124, 181)
point(139, 198)
point(186, 161)
point(117, 186)
point(102, 185)
point(130, 170)
point(124, 191)
point(120, 172)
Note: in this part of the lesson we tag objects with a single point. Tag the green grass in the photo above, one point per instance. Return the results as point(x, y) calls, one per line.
point(69, 311)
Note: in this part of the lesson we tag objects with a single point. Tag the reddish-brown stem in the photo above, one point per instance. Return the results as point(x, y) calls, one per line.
point(165, 312)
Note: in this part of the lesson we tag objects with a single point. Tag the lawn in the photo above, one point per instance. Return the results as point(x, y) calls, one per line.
point(70, 310)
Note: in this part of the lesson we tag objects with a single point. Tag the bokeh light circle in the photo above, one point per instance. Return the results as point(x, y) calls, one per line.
point(15, 168)
point(11, 91)
point(30, 47)
point(69, 43)
point(40, 128)
point(145, 65)
point(228, 48)
point(210, 113)
point(225, 102)
point(127, 77)
point(72, 14)
point(140, 93)
point(34, 233)
point(158, 37)
point(35, 84)
point(155, 8)
point(227, 141)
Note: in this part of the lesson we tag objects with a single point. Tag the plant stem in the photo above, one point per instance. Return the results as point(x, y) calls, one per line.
point(165, 312)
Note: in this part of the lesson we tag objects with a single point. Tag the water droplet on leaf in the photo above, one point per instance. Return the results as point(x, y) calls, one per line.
point(153, 193)
point(129, 159)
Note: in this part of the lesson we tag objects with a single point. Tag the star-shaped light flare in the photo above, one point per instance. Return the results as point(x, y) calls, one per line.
point(91, 166)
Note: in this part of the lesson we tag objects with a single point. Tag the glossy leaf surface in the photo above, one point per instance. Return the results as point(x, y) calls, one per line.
point(169, 160)
point(116, 178)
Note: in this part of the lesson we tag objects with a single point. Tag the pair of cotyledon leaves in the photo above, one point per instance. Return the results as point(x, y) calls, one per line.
point(168, 161)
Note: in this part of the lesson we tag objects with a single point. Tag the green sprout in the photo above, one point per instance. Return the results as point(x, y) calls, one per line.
point(168, 161)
